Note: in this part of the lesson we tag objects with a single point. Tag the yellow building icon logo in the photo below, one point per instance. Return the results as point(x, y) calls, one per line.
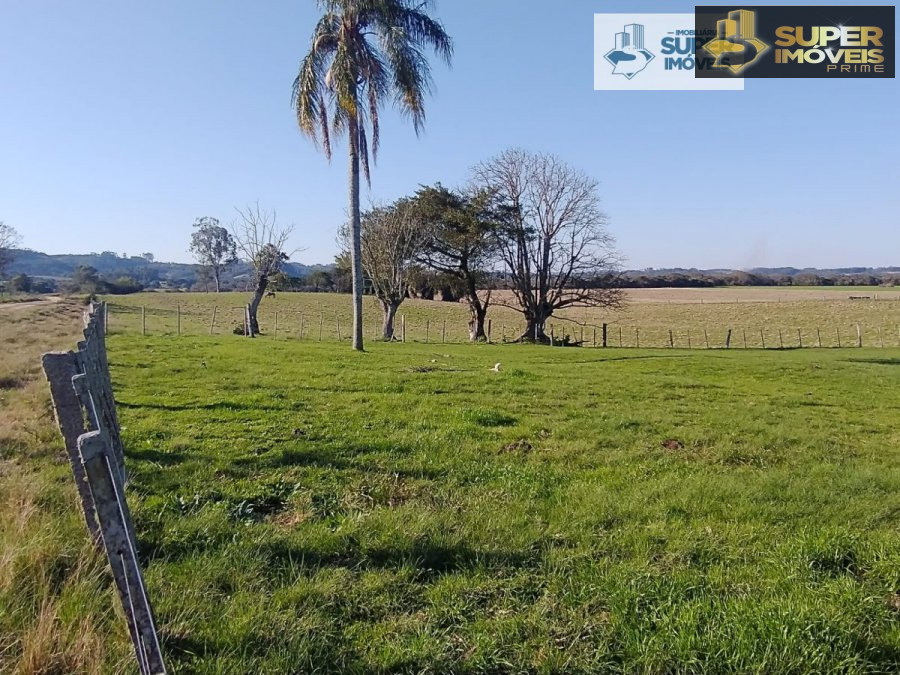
point(736, 45)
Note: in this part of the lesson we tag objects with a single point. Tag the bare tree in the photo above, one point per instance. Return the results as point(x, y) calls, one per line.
point(213, 247)
point(9, 240)
point(461, 242)
point(261, 242)
point(392, 238)
point(556, 248)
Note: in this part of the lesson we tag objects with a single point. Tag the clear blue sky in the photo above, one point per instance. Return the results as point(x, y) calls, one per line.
point(121, 122)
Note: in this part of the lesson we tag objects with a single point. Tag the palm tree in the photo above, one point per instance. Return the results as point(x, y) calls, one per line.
point(362, 53)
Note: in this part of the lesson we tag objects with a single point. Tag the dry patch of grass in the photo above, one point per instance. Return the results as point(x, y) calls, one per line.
point(57, 605)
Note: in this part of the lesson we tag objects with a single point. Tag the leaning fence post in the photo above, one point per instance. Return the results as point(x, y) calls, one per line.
point(115, 526)
point(212, 323)
point(728, 340)
point(60, 368)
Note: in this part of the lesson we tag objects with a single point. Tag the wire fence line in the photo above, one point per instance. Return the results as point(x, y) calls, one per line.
point(321, 326)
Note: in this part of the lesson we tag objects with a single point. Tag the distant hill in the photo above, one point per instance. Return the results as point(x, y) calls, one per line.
point(111, 265)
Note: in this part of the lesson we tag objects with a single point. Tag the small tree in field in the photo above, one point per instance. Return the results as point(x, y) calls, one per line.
point(262, 243)
point(9, 240)
point(555, 246)
point(213, 247)
point(392, 238)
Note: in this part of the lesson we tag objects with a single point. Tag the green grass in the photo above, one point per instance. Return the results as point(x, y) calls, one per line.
point(303, 508)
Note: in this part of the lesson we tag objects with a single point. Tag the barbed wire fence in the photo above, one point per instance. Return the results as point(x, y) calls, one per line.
point(324, 326)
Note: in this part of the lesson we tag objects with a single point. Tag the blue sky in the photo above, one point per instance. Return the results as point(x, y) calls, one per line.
point(123, 122)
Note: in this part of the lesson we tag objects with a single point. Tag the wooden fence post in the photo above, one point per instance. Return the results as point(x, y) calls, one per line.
point(595, 336)
point(689, 338)
point(582, 335)
point(337, 323)
point(143, 320)
point(178, 319)
point(762, 337)
point(671, 340)
point(301, 325)
point(403, 327)
point(427, 329)
point(728, 340)
point(637, 337)
point(839, 336)
point(489, 332)
point(105, 309)
point(620, 336)
point(818, 338)
point(321, 325)
point(444, 331)
point(212, 324)
point(706, 337)
point(604, 330)
point(800, 338)
point(859, 341)
point(780, 339)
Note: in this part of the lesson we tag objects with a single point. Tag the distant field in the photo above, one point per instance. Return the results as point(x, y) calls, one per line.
point(764, 315)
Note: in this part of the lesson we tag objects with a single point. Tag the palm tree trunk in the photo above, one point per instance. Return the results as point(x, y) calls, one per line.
point(355, 237)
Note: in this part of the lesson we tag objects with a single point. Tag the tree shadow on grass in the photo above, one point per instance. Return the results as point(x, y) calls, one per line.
point(877, 361)
point(216, 405)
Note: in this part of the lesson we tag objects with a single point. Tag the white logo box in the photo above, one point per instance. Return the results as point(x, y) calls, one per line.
point(617, 31)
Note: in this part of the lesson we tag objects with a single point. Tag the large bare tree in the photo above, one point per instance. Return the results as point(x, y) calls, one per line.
point(9, 240)
point(392, 238)
point(461, 242)
point(555, 246)
point(262, 243)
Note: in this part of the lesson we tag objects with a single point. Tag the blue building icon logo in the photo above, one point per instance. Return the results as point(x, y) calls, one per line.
point(629, 56)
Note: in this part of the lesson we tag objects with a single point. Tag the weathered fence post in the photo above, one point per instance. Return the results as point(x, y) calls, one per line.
point(780, 339)
point(427, 329)
point(444, 331)
point(594, 343)
point(403, 327)
point(800, 338)
point(489, 331)
point(858, 336)
point(212, 323)
point(839, 337)
point(671, 340)
point(706, 337)
point(689, 338)
point(728, 340)
point(620, 337)
point(301, 325)
point(337, 323)
point(745, 337)
point(603, 335)
point(552, 336)
point(762, 337)
point(818, 338)
point(178, 318)
point(105, 310)
point(582, 335)
point(84, 407)
point(143, 320)
point(321, 325)
point(637, 337)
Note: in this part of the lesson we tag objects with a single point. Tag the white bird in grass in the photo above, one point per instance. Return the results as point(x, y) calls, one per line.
point(496, 368)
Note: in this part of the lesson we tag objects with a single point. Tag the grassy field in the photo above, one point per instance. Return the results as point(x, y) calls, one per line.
point(767, 317)
point(302, 508)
